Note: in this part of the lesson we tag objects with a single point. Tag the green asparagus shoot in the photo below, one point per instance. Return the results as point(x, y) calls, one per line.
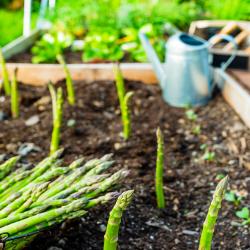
point(115, 216)
point(57, 110)
point(5, 75)
point(124, 99)
point(159, 170)
point(14, 96)
point(69, 82)
point(210, 221)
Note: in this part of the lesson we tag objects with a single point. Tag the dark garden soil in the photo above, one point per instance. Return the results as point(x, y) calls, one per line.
point(189, 180)
point(26, 57)
point(71, 57)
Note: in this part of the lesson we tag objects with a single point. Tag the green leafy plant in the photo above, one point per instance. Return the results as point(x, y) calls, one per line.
point(5, 75)
point(211, 218)
point(191, 115)
point(196, 130)
point(57, 110)
point(14, 96)
point(115, 216)
point(34, 199)
point(244, 214)
point(102, 47)
point(123, 100)
point(50, 45)
point(159, 170)
point(69, 82)
point(231, 196)
point(208, 154)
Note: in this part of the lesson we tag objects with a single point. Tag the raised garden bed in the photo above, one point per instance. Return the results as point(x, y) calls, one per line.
point(189, 179)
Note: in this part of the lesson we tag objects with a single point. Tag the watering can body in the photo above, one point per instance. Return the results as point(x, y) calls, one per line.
point(186, 77)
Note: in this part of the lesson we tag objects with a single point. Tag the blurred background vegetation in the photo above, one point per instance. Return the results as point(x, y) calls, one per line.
point(119, 16)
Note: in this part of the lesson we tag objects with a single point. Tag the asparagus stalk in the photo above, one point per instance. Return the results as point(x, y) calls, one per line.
point(57, 107)
point(37, 171)
point(112, 231)
point(14, 96)
point(6, 82)
point(210, 221)
point(69, 82)
point(15, 179)
point(159, 170)
point(89, 169)
point(123, 101)
point(109, 182)
point(36, 192)
point(7, 166)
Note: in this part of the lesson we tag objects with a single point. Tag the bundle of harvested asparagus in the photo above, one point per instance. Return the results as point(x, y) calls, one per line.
point(49, 193)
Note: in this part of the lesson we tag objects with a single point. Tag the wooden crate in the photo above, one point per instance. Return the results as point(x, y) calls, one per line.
point(203, 27)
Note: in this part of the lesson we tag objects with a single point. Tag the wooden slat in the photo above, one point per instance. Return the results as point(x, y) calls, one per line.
point(20, 44)
point(40, 74)
point(237, 97)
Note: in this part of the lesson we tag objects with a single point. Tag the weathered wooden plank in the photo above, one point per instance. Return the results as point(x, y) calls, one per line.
point(237, 97)
point(40, 74)
point(20, 44)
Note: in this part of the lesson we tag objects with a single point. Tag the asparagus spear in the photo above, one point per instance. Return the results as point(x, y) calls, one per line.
point(69, 82)
point(37, 171)
point(36, 192)
point(123, 101)
point(57, 120)
point(109, 182)
point(210, 221)
point(7, 166)
point(112, 231)
point(15, 204)
point(68, 180)
point(6, 82)
point(159, 170)
point(6, 184)
point(10, 199)
point(14, 96)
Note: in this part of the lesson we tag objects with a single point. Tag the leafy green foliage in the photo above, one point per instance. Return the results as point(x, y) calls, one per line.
point(102, 46)
point(228, 9)
point(209, 156)
point(50, 45)
point(191, 115)
point(244, 214)
point(231, 196)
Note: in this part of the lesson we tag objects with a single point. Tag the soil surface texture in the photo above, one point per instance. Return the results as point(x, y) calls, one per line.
point(189, 179)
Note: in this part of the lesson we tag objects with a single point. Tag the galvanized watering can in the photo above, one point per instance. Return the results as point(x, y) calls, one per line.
point(186, 77)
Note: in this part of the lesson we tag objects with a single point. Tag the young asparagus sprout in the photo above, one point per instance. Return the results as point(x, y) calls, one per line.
point(69, 82)
point(124, 99)
point(112, 231)
point(5, 75)
point(159, 170)
point(210, 221)
point(14, 96)
point(57, 110)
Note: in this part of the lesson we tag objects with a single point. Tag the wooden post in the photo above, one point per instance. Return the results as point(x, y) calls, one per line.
point(27, 17)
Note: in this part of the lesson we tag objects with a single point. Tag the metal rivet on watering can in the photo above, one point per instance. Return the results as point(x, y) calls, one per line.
point(186, 77)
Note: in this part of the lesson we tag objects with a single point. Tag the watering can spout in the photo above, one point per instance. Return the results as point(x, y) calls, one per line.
point(152, 57)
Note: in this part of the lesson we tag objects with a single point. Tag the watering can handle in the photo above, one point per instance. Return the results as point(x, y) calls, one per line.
point(229, 39)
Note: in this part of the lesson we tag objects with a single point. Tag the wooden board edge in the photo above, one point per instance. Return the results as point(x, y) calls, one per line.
point(40, 74)
point(20, 44)
point(237, 97)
